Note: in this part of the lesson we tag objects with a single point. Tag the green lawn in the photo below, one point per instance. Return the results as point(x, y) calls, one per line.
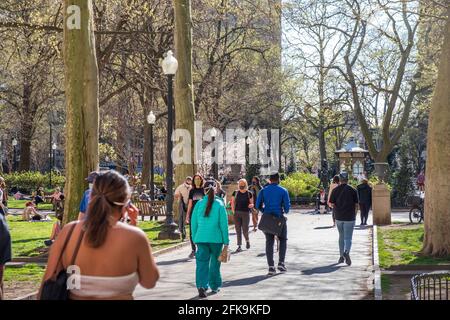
point(29, 272)
point(20, 204)
point(28, 237)
point(400, 245)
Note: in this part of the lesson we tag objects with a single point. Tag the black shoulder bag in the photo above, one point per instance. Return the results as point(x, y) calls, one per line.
point(270, 223)
point(55, 288)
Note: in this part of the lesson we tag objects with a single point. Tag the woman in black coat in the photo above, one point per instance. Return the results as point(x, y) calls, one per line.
point(364, 200)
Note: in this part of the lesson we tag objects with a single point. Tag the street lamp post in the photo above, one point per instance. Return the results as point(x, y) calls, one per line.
point(214, 164)
point(170, 231)
point(151, 119)
point(14, 143)
point(52, 161)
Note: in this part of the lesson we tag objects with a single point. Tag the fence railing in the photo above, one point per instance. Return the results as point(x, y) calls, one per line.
point(430, 286)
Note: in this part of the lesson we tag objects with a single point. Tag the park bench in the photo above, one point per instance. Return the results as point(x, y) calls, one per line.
point(154, 208)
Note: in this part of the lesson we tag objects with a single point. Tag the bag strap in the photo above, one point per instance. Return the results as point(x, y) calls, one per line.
point(69, 235)
point(77, 248)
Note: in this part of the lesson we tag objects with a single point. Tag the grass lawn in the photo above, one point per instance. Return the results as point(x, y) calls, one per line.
point(401, 244)
point(20, 204)
point(28, 237)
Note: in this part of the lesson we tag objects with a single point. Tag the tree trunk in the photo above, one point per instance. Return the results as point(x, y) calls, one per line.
point(437, 189)
point(25, 146)
point(184, 95)
point(81, 87)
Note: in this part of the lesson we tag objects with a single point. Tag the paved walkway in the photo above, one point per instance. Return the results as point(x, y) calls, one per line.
point(311, 260)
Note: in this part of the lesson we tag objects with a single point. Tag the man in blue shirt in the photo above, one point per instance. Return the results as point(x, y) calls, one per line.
point(85, 200)
point(274, 199)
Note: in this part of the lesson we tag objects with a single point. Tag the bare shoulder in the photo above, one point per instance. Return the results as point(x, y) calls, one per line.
point(131, 232)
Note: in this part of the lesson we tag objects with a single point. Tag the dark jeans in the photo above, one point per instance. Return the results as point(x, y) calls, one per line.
point(270, 240)
point(194, 248)
point(241, 223)
point(364, 208)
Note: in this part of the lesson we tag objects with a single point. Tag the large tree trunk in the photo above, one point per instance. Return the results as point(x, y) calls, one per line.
point(81, 87)
point(184, 101)
point(437, 189)
point(25, 145)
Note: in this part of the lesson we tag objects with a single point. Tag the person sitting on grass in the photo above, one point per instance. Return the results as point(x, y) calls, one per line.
point(39, 196)
point(29, 211)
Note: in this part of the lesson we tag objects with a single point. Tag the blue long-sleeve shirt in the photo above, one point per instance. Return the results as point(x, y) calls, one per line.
point(273, 199)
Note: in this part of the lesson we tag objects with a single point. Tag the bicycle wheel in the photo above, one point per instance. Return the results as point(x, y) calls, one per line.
point(415, 215)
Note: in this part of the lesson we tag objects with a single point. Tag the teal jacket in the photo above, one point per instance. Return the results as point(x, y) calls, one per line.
point(211, 229)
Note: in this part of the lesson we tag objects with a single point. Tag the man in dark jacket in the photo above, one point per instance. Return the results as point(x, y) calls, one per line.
point(344, 199)
point(365, 200)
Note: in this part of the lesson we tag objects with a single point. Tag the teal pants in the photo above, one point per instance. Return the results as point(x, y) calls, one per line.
point(208, 267)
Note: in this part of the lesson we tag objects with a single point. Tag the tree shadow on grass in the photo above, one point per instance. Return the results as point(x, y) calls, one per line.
point(29, 240)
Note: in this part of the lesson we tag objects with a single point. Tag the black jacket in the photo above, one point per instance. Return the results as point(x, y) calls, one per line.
point(364, 194)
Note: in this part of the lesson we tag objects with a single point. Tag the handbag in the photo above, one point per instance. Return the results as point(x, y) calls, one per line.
point(55, 288)
point(225, 255)
point(270, 223)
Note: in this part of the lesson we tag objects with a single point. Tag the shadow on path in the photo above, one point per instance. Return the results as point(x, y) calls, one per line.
point(247, 281)
point(322, 228)
point(325, 269)
point(166, 263)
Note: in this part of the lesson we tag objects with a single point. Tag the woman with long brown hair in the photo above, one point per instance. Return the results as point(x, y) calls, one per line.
point(196, 194)
point(209, 226)
point(111, 258)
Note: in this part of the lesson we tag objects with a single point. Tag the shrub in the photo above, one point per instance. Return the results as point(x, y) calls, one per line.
point(29, 181)
point(301, 184)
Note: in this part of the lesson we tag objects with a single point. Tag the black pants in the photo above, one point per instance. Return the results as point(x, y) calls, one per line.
point(270, 240)
point(194, 248)
point(364, 208)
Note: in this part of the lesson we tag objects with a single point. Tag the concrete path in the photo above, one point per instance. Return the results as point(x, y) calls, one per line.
point(313, 272)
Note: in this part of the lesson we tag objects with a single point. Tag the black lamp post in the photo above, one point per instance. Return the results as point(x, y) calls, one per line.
point(215, 165)
point(170, 230)
point(151, 119)
point(14, 143)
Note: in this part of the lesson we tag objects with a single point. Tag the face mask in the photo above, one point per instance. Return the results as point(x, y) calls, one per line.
point(242, 187)
point(91, 185)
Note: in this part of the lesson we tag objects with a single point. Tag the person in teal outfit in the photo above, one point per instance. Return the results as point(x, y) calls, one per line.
point(209, 225)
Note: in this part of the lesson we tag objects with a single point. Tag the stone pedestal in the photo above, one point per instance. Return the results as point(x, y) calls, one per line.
point(381, 205)
point(170, 232)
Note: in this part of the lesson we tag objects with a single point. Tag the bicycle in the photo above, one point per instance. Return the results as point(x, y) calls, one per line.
point(416, 213)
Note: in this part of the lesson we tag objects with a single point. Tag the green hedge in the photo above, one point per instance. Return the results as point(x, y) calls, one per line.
point(301, 184)
point(27, 182)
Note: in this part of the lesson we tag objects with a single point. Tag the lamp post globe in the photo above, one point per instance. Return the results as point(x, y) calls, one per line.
point(169, 64)
point(151, 118)
point(14, 142)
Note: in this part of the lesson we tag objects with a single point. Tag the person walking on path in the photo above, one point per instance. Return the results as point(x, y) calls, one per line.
point(112, 257)
point(334, 184)
point(255, 188)
point(344, 199)
point(182, 196)
point(86, 195)
point(274, 200)
point(5, 249)
point(364, 200)
point(209, 225)
point(196, 194)
point(241, 205)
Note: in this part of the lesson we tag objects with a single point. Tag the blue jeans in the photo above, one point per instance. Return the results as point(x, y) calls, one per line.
point(345, 229)
point(208, 265)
